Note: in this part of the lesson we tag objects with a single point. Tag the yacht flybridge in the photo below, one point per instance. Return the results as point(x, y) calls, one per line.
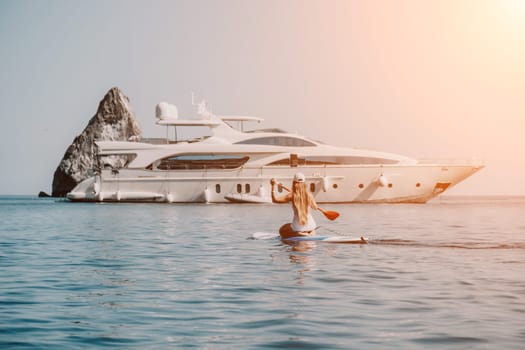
point(233, 165)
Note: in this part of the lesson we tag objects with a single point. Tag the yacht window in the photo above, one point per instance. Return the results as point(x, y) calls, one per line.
point(202, 161)
point(218, 188)
point(333, 160)
point(283, 162)
point(239, 188)
point(286, 141)
point(312, 187)
point(348, 160)
point(275, 130)
point(247, 188)
point(117, 160)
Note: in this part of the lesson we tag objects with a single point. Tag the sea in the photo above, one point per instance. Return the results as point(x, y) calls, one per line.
point(449, 274)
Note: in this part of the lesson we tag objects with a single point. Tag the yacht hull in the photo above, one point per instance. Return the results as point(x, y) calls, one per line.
point(414, 183)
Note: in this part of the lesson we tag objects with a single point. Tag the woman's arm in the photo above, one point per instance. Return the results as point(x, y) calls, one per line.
point(275, 199)
point(313, 203)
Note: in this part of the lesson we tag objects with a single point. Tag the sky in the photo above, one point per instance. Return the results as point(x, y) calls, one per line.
point(427, 79)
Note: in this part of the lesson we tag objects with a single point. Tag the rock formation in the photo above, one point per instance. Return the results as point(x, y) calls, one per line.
point(114, 120)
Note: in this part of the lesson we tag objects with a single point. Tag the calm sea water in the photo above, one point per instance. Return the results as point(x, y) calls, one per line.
point(446, 275)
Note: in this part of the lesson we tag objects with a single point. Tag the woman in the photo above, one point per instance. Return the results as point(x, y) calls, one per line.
point(303, 223)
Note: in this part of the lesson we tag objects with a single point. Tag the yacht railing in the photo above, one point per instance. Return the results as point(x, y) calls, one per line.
point(155, 140)
point(165, 141)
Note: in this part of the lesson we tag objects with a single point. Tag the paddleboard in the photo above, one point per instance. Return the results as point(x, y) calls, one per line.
point(327, 239)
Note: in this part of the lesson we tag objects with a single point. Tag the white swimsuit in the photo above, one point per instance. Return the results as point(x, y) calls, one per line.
point(309, 226)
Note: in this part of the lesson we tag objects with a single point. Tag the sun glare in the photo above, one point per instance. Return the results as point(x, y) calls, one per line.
point(514, 10)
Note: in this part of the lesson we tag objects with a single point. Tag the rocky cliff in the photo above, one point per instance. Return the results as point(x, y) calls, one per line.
point(114, 120)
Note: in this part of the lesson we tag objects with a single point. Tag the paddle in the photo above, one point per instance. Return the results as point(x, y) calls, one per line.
point(329, 214)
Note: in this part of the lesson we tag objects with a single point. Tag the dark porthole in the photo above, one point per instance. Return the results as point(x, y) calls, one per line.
point(247, 188)
point(218, 188)
point(312, 187)
point(418, 185)
point(361, 185)
point(389, 185)
point(239, 188)
point(334, 186)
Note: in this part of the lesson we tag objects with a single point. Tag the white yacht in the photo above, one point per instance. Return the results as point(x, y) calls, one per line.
point(233, 165)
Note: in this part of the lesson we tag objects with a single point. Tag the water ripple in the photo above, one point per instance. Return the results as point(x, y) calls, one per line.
point(174, 276)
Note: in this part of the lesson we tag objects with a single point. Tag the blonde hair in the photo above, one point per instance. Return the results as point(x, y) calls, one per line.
point(302, 199)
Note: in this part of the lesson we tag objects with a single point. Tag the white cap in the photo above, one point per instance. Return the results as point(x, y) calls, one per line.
point(299, 177)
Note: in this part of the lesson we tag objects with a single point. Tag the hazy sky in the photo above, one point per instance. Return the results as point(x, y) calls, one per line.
point(427, 79)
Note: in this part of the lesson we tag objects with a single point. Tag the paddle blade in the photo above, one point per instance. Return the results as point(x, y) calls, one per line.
point(330, 214)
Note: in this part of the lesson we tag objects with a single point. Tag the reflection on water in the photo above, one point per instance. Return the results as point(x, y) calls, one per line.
point(448, 274)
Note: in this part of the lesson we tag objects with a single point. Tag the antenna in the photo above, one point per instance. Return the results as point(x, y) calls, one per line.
point(202, 107)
